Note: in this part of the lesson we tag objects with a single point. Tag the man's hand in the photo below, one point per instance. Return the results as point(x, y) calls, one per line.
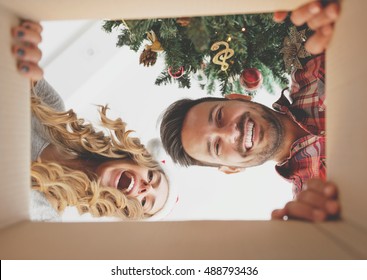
point(318, 202)
point(318, 18)
point(26, 38)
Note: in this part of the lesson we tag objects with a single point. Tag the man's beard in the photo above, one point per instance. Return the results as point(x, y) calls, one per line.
point(275, 136)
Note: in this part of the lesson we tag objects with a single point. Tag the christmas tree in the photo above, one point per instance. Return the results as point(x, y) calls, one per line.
point(213, 50)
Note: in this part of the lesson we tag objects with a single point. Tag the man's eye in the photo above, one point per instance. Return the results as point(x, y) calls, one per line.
point(143, 201)
point(217, 148)
point(150, 176)
point(219, 115)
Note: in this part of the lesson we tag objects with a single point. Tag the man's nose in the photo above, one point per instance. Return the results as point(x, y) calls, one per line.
point(229, 133)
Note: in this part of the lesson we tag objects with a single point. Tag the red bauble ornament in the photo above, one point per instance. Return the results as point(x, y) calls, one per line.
point(251, 79)
point(178, 74)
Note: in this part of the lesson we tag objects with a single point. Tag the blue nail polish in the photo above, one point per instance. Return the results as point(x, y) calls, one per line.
point(24, 69)
point(20, 52)
point(20, 34)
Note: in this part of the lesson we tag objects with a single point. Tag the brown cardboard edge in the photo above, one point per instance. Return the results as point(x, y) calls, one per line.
point(93, 9)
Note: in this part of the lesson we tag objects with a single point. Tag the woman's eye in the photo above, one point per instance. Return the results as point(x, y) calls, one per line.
point(150, 176)
point(143, 201)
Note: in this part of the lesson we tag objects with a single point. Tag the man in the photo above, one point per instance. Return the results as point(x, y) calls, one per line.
point(235, 133)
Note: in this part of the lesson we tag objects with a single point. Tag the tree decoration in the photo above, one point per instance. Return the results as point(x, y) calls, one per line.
point(221, 56)
point(177, 74)
point(251, 79)
point(156, 45)
point(256, 41)
point(294, 49)
point(148, 57)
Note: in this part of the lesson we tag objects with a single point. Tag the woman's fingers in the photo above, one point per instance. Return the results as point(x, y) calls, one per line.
point(30, 70)
point(26, 52)
point(26, 37)
point(35, 26)
point(23, 34)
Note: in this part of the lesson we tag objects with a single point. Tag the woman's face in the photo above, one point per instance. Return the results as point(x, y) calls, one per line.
point(149, 186)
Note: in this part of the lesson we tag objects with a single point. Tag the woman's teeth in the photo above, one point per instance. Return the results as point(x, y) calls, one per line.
point(129, 188)
point(248, 140)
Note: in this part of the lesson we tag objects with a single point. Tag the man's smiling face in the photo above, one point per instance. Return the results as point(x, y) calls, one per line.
point(233, 133)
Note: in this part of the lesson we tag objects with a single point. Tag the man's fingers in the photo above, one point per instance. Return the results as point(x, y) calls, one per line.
point(317, 202)
point(313, 198)
point(330, 190)
point(303, 211)
point(318, 42)
point(30, 70)
point(315, 185)
point(303, 14)
point(278, 214)
point(279, 16)
point(332, 207)
point(327, 16)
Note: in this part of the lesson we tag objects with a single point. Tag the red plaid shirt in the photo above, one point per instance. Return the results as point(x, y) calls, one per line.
point(307, 155)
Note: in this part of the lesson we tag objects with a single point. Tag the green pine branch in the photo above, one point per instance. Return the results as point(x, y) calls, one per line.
point(255, 39)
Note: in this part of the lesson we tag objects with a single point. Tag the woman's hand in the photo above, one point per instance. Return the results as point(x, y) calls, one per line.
point(318, 202)
point(26, 38)
point(318, 18)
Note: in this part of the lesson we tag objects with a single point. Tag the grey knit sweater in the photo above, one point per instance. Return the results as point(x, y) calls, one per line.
point(40, 208)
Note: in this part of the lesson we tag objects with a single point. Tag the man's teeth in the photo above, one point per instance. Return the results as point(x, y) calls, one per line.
point(248, 140)
point(129, 188)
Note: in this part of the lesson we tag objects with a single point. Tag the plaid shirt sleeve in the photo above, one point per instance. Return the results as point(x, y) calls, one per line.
point(308, 95)
point(307, 108)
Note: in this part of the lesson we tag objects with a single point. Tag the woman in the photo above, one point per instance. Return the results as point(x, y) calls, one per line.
point(75, 165)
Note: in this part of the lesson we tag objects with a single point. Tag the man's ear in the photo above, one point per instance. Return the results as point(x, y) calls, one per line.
point(232, 96)
point(230, 169)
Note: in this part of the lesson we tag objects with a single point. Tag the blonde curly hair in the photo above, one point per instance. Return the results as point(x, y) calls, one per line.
point(63, 186)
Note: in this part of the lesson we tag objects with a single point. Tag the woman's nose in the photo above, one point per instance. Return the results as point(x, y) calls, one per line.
point(144, 187)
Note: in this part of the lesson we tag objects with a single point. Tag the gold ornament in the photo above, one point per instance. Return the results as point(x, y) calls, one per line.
point(293, 49)
point(221, 57)
point(156, 45)
point(125, 24)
